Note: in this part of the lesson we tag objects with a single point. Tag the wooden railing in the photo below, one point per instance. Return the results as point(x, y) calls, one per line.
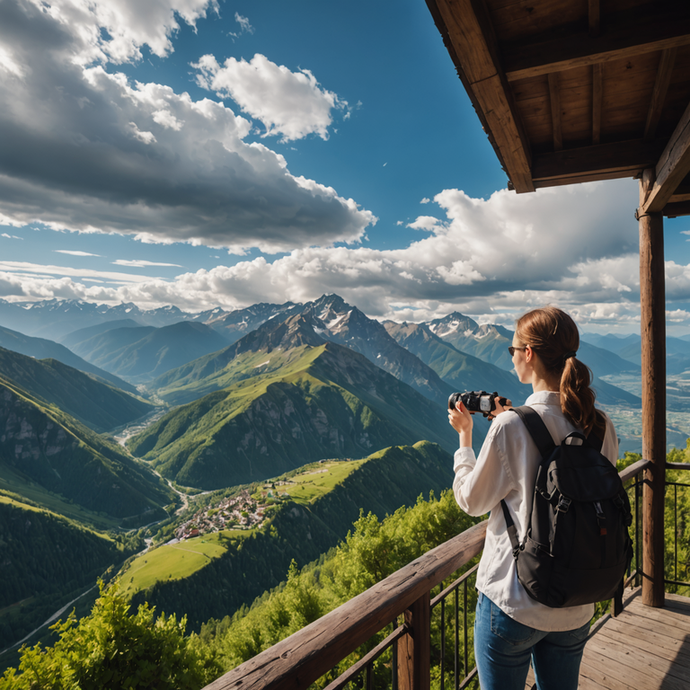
point(314, 651)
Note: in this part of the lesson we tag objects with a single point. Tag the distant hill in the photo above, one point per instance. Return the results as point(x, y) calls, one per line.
point(463, 372)
point(45, 447)
point(629, 348)
point(93, 403)
point(75, 338)
point(56, 318)
point(41, 348)
point(285, 407)
point(299, 530)
point(141, 354)
point(603, 362)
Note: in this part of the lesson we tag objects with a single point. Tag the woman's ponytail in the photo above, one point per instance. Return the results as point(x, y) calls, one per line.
point(553, 335)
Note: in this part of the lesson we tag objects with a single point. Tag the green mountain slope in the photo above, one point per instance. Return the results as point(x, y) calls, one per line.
point(44, 446)
point(46, 560)
point(95, 404)
point(40, 348)
point(300, 531)
point(326, 402)
point(463, 372)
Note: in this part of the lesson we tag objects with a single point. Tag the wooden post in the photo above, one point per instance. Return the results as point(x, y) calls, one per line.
point(414, 649)
point(653, 333)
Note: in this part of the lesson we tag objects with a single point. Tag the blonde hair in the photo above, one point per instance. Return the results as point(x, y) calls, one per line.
point(553, 335)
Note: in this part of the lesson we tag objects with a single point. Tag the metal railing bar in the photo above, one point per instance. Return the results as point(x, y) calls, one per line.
point(456, 647)
point(443, 642)
point(464, 609)
point(342, 680)
point(677, 582)
point(453, 586)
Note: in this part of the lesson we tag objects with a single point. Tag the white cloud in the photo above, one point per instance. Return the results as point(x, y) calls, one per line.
point(492, 259)
point(74, 252)
point(11, 237)
point(140, 263)
point(291, 104)
point(245, 26)
point(144, 160)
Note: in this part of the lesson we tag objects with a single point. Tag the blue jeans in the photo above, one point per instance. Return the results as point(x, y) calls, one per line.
point(503, 649)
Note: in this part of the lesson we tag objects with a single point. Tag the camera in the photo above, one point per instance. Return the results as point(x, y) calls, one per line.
point(476, 401)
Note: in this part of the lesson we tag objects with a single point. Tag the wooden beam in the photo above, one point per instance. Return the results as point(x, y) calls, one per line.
point(672, 168)
point(555, 98)
point(628, 34)
point(597, 101)
point(635, 155)
point(653, 333)
point(677, 209)
point(468, 35)
point(414, 649)
point(663, 79)
point(594, 15)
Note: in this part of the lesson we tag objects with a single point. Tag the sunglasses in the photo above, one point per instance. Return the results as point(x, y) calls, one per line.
point(512, 349)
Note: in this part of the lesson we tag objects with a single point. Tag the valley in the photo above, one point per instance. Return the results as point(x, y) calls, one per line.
point(194, 457)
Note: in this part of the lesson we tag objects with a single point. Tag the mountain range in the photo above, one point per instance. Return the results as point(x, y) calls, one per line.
point(241, 396)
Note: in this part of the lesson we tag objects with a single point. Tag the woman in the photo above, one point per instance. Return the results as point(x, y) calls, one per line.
point(510, 627)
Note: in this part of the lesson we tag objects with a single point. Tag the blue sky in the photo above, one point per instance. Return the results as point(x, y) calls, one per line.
point(205, 153)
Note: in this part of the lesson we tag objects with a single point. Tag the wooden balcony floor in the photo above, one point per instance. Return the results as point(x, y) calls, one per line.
point(641, 649)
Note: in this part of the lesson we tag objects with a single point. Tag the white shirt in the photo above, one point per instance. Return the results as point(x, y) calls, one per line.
point(506, 469)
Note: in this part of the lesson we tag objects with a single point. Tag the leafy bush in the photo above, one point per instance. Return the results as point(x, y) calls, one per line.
point(114, 649)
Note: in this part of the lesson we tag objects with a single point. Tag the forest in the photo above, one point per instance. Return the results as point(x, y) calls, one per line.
point(371, 551)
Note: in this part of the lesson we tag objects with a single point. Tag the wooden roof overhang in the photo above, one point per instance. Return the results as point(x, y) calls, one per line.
point(579, 90)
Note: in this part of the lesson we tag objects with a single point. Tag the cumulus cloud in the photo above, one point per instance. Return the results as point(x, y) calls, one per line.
point(291, 104)
point(489, 258)
point(85, 150)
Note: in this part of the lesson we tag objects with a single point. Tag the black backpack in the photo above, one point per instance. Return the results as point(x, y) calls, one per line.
point(577, 547)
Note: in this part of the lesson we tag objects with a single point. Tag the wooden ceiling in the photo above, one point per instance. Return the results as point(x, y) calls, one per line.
point(579, 90)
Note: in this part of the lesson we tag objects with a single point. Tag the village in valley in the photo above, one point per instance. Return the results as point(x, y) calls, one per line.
point(241, 511)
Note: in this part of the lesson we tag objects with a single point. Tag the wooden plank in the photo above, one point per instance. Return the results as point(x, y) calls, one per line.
point(300, 659)
point(644, 661)
point(654, 636)
point(609, 674)
point(631, 33)
point(469, 32)
point(605, 158)
point(594, 17)
point(579, 178)
point(663, 79)
point(597, 98)
point(673, 166)
point(555, 98)
point(672, 210)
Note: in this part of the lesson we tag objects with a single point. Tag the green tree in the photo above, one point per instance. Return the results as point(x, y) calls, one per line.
point(112, 648)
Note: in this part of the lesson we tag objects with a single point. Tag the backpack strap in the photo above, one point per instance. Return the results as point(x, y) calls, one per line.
point(544, 442)
point(511, 529)
point(537, 429)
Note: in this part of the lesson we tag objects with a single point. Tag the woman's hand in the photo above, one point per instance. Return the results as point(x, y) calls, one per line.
point(460, 418)
point(500, 408)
